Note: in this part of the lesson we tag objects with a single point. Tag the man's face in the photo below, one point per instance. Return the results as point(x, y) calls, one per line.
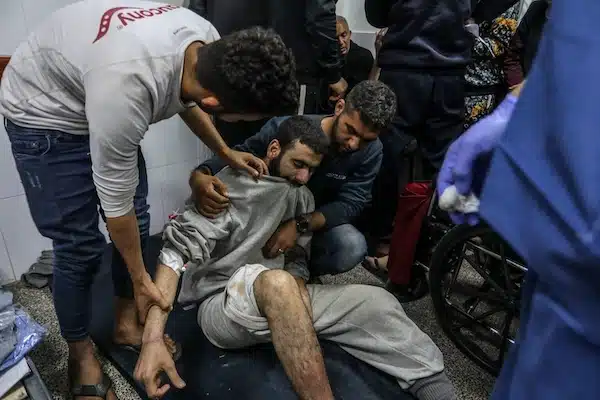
point(343, 36)
point(296, 164)
point(349, 132)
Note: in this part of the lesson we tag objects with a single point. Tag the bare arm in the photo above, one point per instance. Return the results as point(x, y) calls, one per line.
point(166, 280)
point(200, 123)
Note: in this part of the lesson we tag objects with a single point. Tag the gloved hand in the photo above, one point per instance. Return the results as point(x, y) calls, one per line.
point(460, 164)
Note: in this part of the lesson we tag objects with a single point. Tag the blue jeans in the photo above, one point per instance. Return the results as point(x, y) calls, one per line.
point(337, 250)
point(56, 172)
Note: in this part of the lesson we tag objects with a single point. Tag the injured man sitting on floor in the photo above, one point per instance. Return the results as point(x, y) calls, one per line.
point(245, 298)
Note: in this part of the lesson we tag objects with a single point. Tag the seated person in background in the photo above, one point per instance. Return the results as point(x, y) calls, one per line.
point(357, 62)
point(524, 45)
point(341, 185)
point(246, 299)
point(484, 77)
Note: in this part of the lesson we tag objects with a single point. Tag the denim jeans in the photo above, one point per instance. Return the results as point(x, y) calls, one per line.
point(337, 250)
point(56, 172)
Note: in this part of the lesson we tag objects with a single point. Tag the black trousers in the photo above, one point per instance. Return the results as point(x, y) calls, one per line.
point(430, 115)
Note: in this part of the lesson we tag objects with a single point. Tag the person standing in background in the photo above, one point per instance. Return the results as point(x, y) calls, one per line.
point(357, 62)
point(524, 45)
point(307, 26)
point(423, 58)
point(484, 77)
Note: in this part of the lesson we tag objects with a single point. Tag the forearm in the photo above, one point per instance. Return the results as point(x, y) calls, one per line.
point(166, 280)
point(125, 235)
point(200, 123)
point(374, 73)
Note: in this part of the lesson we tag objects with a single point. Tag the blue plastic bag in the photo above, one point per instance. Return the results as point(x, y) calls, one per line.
point(29, 335)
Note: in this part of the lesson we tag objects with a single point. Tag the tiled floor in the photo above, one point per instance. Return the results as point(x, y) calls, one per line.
point(471, 382)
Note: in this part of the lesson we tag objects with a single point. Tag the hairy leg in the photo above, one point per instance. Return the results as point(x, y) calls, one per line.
point(280, 301)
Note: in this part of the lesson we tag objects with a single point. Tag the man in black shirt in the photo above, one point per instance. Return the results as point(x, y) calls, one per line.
point(357, 62)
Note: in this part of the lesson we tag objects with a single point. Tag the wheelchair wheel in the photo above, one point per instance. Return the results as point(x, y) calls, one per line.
point(475, 281)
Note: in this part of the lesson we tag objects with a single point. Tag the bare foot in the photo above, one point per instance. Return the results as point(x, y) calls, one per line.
point(128, 330)
point(84, 368)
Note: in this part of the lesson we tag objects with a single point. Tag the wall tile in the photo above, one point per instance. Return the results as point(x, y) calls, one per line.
point(37, 11)
point(176, 188)
point(13, 29)
point(10, 182)
point(181, 145)
point(156, 183)
point(6, 272)
point(23, 241)
point(153, 146)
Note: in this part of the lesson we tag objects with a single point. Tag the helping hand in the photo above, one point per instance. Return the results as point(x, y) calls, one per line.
point(146, 294)
point(282, 240)
point(209, 194)
point(155, 358)
point(246, 162)
point(459, 166)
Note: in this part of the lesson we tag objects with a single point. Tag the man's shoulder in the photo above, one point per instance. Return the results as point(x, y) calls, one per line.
point(360, 52)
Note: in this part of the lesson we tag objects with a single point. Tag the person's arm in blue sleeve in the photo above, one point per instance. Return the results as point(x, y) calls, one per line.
point(354, 195)
point(256, 145)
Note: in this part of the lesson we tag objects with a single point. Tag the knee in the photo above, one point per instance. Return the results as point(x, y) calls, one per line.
point(273, 285)
point(350, 248)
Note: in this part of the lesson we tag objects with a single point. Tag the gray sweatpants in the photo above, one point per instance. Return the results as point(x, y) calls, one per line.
point(366, 321)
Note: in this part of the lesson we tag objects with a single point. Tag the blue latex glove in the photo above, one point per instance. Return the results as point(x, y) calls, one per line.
point(460, 165)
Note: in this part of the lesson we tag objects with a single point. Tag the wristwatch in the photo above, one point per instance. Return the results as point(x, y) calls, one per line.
point(302, 224)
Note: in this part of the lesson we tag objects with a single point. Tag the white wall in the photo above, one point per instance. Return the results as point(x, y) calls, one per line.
point(362, 32)
point(170, 148)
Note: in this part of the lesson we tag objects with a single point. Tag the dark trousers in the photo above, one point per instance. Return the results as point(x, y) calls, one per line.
point(431, 112)
point(56, 172)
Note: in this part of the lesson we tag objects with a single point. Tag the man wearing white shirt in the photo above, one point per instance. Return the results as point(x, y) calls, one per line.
point(78, 96)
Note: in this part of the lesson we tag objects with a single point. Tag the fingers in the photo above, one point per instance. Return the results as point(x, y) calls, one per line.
point(209, 212)
point(462, 172)
point(472, 219)
point(218, 206)
point(162, 391)
point(220, 189)
point(174, 376)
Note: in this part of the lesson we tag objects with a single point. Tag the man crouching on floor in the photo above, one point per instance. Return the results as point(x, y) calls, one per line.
point(246, 299)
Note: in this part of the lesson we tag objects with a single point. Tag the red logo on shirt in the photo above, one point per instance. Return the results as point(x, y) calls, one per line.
point(128, 17)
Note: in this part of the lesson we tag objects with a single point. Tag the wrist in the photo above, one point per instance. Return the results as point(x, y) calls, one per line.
point(302, 223)
point(225, 152)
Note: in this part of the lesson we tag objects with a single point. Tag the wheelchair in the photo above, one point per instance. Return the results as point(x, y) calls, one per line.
point(475, 282)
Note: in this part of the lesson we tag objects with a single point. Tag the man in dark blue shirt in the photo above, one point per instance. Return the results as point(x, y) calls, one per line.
point(341, 185)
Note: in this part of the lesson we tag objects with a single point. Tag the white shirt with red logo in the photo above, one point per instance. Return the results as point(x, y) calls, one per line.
point(109, 69)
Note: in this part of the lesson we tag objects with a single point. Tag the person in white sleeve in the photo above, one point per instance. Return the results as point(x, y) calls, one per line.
point(77, 98)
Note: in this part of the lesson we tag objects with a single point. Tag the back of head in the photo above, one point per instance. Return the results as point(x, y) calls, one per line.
point(250, 72)
point(299, 129)
point(375, 102)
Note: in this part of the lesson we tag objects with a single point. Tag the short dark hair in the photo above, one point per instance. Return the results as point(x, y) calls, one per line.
point(299, 129)
point(341, 20)
point(375, 103)
point(250, 71)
